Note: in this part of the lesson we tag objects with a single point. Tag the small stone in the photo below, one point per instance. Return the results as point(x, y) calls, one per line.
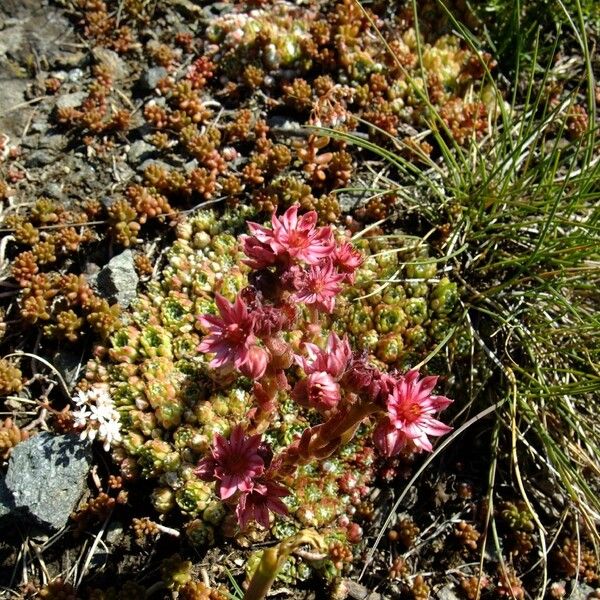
point(12, 37)
point(46, 477)
point(71, 100)
point(41, 158)
point(114, 532)
point(39, 126)
point(448, 592)
point(283, 123)
point(139, 151)
point(118, 280)
point(581, 591)
point(356, 591)
point(55, 142)
point(347, 202)
point(53, 190)
point(151, 77)
point(12, 94)
point(123, 172)
point(75, 75)
point(107, 202)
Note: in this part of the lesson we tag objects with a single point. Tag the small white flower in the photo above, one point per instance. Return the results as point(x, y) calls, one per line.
point(81, 399)
point(109, 432)
point(100, 396)
point(96, 413)
point(81, 416)
point(102, 413)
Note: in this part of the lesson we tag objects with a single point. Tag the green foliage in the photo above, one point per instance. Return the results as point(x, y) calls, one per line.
point(519, 213)
point(512, 26)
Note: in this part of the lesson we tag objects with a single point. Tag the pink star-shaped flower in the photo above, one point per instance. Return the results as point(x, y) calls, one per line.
point(291, 238)
point(235, 463)
point(319, 285)
point(232, 340)
point(332, 360)
point(411, 407)
point(255, 505)
point(346, 259)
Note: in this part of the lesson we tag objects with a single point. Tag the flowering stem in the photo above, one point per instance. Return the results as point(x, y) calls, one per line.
point(273, 558)
point(321, 441)
point(265, 393)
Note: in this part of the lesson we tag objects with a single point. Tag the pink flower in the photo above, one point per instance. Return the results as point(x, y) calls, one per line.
point(319, 390)
point(319, 285)
point(411, 407)
point(346, 260)
point(235, 463)
point(231, 338)
point(290, 238)
point(388, 440)
point(332, 360)
point(299, 238)
point(256, 504)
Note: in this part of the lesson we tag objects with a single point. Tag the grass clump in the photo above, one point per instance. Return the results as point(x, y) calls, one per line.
point(515, 218)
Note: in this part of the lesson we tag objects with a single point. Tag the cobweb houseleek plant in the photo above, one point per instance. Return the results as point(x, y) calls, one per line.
point(521, 208)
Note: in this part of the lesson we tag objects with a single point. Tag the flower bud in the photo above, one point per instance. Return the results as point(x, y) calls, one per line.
point(319, 390)
point(256, 364)
point(388, 440)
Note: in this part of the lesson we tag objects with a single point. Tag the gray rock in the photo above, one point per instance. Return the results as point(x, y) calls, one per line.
point(7, 504)
point(281, 123)
point(581, 591)
point(70, 364)
point(53, 190)
point(347, 202)
point(448, 592)
point(117, 281)
point(71, 100)
point(356, 591)
point(12, 38)
point(151, 77)
point(41, 158)
point(55, 142)
point(75, 75)
point(13, 113)
point(114, 532)
point(123, 172)
point(39, 127)
point(46, 477)
point(139, 151)
point(108, 201)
